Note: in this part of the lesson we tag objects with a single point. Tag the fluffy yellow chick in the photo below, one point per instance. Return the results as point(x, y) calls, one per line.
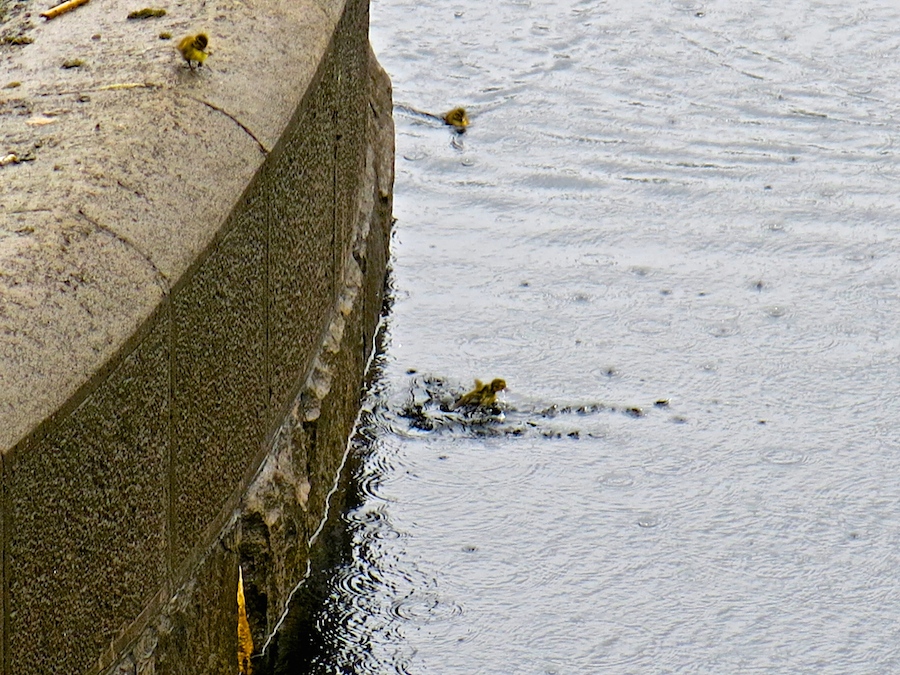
point(482, 395)
point(456, 118)
point(192, 49)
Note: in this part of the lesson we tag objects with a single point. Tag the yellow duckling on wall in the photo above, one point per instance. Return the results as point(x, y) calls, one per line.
point(457, 119)
point(482, 395)
point(192, 49)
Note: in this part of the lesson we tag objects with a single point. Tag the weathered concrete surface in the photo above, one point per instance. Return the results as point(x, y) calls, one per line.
point(190, 274)
point(142, 177)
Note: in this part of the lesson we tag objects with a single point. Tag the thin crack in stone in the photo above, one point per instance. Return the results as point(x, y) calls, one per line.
point(161, 278)
point(262, 148)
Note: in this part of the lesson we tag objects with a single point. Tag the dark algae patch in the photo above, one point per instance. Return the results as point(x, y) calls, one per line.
point(146, 13)
point(17, 40)
point(432, 406)
point(15, 23)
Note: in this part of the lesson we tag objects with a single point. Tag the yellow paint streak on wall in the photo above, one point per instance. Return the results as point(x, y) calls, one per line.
point(245, 640)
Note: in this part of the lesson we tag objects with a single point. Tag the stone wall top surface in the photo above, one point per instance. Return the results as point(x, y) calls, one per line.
point(116, 175)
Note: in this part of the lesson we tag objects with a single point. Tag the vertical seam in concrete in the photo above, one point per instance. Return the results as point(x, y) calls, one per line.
point(4, 561)
point(170, 450)
point(267, 317)
point(335, 209)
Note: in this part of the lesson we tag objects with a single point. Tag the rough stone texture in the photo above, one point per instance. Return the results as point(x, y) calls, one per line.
point(191, 272)
point(285, 505)
point(220, 394)
point(142, 149)
point(351, 58)
point(302, 238)
point(272, 530)
point(54, 265)
point(87, 515)
point(197, 631)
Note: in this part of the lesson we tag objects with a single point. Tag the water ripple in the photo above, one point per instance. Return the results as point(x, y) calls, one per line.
point(424, 608)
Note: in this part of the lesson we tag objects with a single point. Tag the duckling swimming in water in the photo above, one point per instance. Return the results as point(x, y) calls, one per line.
point(482, 395)
point(457, 119)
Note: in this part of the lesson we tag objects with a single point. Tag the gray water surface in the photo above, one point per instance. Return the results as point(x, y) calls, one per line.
point(656, 201)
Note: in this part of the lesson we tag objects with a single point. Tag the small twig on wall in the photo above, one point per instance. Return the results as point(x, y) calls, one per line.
point(62, 8)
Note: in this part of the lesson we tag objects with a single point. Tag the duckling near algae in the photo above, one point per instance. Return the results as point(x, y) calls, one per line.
point(482, 395)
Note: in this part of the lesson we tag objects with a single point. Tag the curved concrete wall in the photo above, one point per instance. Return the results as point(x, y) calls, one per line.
point(191, 268)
